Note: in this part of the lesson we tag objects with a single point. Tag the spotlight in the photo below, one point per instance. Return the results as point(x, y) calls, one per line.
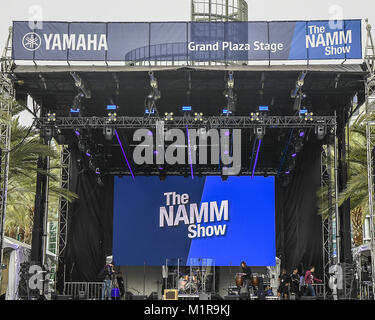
point(320, 132)
point(226, 111)
point(77, 133)
point(301, 133)
point(112, 112)
point(187, 108)
point(112, 107)
point(169, 116)
point(48, 133)
point(294, 155)
point(75, 112)
point(254, 116)
point(51, 117)
point(260, 132)
point(198, 116)
point(108, 132)
point(264, 108)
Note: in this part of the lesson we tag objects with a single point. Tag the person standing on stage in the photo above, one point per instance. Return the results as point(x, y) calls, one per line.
point(294, 282)
point(108, 274)
point(247, 277)
point(284, 284)
point(310, 279)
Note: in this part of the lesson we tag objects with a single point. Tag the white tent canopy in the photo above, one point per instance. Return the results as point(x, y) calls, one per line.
point(19, 253)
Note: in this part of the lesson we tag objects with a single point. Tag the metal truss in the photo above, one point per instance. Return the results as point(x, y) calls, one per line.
point(202, 171)
point(235, 122)
point(6, 101)
point(329, 182)
point(63, 219)
point(370, 137)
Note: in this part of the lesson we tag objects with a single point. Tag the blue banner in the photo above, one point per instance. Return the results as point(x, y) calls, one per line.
point(228, 221)
point(187, 41)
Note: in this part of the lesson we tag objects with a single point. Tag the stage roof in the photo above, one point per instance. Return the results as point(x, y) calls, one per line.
point(329, 89)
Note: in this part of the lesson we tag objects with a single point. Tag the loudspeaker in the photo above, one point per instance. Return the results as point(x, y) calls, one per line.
point(153, 296)
point(233, 297)
point(139, 297)
point(308, 298)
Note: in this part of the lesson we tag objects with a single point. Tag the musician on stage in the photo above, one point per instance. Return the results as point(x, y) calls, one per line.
point(108, 274)
point(247, 275)
point(246, 270)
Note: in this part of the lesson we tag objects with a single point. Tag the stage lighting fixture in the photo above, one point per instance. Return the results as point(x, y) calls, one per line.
point(112, 108)
point(226, 111)
point(198, 116)
point(254, 116)
point(260, 132)
point(320, 132)
point(148, 111)
point(301, 133)
point(294, 155)
point(108, 133)
point(51, 117)
point(48, 133)
point(77, 133)
point(169, 116)
point(264, 108)
point(308, 116)
point(187, 108)
point(75, 112)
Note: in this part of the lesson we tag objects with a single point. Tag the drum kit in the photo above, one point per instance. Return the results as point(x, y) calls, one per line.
point(190, 283)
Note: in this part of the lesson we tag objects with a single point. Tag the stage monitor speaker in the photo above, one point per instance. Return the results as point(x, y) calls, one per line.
point(128, 295)
point(308, 298)
point(232, 297)
point(140, 297)
point(153, 296)
point(170, 294)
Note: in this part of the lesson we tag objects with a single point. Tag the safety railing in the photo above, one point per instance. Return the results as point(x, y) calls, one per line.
point(84, 290)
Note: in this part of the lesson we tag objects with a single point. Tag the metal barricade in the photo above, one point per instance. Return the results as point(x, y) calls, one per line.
point(319, 290)
point(84, 290)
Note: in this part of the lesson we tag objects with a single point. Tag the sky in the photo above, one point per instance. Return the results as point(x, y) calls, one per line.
point(173, 10)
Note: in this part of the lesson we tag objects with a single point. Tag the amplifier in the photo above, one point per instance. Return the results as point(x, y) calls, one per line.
point(139, 297)
point(170, 294)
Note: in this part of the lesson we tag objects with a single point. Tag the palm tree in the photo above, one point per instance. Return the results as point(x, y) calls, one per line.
point(357, 185)
point(26, 147)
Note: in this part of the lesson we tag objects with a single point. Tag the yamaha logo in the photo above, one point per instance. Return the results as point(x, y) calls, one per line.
point(31, 41)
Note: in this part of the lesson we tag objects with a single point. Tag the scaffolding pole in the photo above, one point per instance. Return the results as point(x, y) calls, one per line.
point(6, 101)
point(370, 137)
point(65, 163)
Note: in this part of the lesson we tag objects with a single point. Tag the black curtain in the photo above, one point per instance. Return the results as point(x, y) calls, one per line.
point(298, 225)
point(90, 224)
